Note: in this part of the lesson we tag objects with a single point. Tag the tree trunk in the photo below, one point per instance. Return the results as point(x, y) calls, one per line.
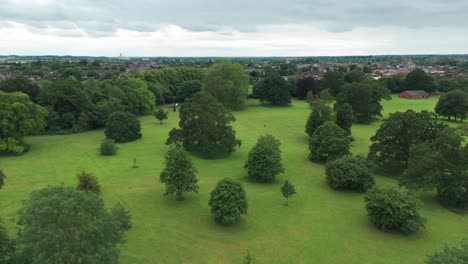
point(179, 196)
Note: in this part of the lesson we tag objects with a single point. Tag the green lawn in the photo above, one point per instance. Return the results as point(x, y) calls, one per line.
point(319, 226)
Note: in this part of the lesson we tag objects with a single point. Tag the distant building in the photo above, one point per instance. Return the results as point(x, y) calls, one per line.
point(417, 94)
point(410, 64)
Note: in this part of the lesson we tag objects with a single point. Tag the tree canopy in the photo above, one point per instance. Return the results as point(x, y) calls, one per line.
point(228, 201)
point(453, 104)
point(273, 89)
point(349, 173)
point(123, 127)
point(329, 142)
point(264, 160)
point(454, 254)
point(419, 80)
point(320, 114)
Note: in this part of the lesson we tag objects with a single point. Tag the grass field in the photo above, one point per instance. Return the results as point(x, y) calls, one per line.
point(319, 225)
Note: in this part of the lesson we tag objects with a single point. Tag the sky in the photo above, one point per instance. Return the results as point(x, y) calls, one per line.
point(232, 28)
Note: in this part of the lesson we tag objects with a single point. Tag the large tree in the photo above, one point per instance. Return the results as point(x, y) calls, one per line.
point(419, 80)
point(264, 160)
point(399, 132)
point(228, 201)
point(18, 118)
point(63, 225)
point(454, 254)
point(123, 127)
point(304, 86)
point(329, 142)
point(364, 97)
point(20, 84)
point(179, 175)
point(344, 116)
point(334, 81)
point(273, 89)
point(228, 83)
point(205, 127)
point(453, 104)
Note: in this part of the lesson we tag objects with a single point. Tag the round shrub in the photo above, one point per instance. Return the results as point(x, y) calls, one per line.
point(349, 173)
point(123, 127)
point(228, 201)
point(394, 209)
point(108, 147)
point(88, 182)
point(329, 142)
point(264, 161)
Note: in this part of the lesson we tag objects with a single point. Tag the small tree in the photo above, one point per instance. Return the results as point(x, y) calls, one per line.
point(122, 216)
point(394, 209)
point(123, 127)
point(287, 190)
point(344, 116)
point(320, 114)
point(108, 147)
point(249, 258)
point(160, 115)
point(2, 179)
point(349, 173)
point(179, 175)
point(88, 182)
point(228, 201)
point(328, 142)
point(454, 254)
point(264, 161)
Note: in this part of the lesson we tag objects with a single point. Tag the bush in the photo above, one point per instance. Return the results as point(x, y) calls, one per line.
point(455, 255)
point(123, 127)
point(122, 217)
point(228, 201)
point(108, 147)
point(264, 161)
point(329, 142)
point(349, 173)
point(394, 209)
point(88, 182)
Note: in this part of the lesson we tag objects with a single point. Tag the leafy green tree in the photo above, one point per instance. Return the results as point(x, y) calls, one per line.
point(205, 127)
point(396, 83)
point(228, 83)
point(142, 99)
point(2, 179)
point(264, 160)
point(454, 254)
point(20, 84)
point(122, 216)
point(304, 86)
point(355, 75)
point(419, 80)
point(62, 225)
point(88, 182)
point(334, 81)
point(394, 209)
point(320, 114)
point(228, 201)
point(344, 116)
point(329, 142)
point(179, 175)
point(287, 190)
point(108, 147)
point(453, 104)
point(447, 84)
point(6, 245)
point(18, 118)
point(160, 115)
point(349, 173)
point(273, 89)
point(398, 133)
point(187, 89)
point(123, 127)
point(364, 97)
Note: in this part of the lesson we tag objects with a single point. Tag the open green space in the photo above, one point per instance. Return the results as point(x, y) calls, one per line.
point(319, 225)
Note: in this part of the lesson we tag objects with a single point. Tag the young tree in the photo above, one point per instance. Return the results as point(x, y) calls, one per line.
point(419, 80)
point(228, 201)
point(320, 114)
point(122, 216)
point(228, 83)
point(329, 142)
point(123, 127)
point(179, 175)
point(453, 104)
point(273, 89)
point(56, 214)
point(453, 254)
point(205, 127)
point(88, 182)
point(287, 190)
point(394, 209)
point(344, 116)
point(249, 258)
point(19, 117)
point(264, 160)
point(349, 173)
point(2, 179)
point(108, 147)
point(160, 115)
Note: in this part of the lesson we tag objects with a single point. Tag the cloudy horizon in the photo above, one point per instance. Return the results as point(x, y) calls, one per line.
point(144, 28)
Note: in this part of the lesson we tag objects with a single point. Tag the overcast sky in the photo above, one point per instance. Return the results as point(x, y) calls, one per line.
point(232, 28)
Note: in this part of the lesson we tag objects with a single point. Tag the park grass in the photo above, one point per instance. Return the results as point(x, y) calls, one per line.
point(318, 226)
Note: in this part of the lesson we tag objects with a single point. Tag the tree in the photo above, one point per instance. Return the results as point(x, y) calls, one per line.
point(364, 97)
point(62, 225)
point(228, 201)
point(355, 75)
point(249, 258)
point(454, 254)
point(349, 173)
point(320, 114)
point(287, 190)
point(228, 83)
point(18, 118)
point(264, 160)
point(88, 182)
point(419, 80)
point(205, 127)
point(108, 147)
point(305, 85)
point(160, 115)
point(399, 132)
point(273, 89)
point(329, 142)
point(122, 216)
point(20, 84)
point(6, 245)
point(344, 116)
point(179, 175)
point(334, 81)
point(394, 209)
point(453, 104)
point(187, 89)
point(2, 179)
point(123, 127)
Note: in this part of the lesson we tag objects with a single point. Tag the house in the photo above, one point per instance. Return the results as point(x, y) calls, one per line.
point(417, 94)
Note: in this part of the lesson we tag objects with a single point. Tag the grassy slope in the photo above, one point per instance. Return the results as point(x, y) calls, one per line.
point(319, 226)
